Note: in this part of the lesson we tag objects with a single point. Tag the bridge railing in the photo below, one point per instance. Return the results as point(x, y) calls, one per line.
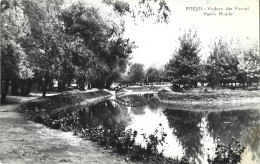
point(133, 104)
point(129, 103)
point(125, 85)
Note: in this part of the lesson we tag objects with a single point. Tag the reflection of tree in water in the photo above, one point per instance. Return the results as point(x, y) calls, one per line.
point(138, 110)
point(227, 124)
point(138, 97)
point(153, 102)
point(104, 113)
point(148, 96)
point(242, 124)
point(187, 130)
point(253, 140)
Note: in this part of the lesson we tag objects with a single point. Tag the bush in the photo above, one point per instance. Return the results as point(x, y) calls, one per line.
point(228, 154)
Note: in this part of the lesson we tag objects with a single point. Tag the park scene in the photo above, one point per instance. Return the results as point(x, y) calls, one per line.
point(120, 81)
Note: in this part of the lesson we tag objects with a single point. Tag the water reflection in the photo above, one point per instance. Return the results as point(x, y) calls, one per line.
point(136, 100)
point(138, 97)
point(186, 127)
point(105, 114)
point(243, 125)
point(189, 133)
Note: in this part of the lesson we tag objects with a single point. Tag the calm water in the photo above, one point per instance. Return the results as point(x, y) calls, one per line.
point(189, 133)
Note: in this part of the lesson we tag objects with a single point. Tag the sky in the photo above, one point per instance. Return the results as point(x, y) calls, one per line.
point(157, 42)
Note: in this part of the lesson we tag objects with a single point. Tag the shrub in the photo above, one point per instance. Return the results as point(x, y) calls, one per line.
point(228, 154)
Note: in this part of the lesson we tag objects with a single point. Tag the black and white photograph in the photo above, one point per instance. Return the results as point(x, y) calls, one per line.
point(130, 82)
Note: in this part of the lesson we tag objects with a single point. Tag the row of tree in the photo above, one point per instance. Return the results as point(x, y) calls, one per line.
point(43, 41)
point(226, 64)
point(138, 74)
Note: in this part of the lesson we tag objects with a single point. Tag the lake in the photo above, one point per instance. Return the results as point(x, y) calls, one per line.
point(190, 133)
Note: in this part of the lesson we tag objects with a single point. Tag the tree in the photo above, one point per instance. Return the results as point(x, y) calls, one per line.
point(184, 66)
point(120, 50)
point(102, 35)
point(202, 76)
point(42, 45)
point(222, 64)
point(249, 66)
point(242, 78)
point(52, 41)
point(156, 10)
point(153, 75)
point(136, 73)
point(14, 62)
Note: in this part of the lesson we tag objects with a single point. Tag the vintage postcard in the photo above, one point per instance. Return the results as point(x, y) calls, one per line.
point(130, 81)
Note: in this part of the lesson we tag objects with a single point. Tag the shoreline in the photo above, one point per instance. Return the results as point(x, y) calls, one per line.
point(234, 100)
point(24, 141)
point(64, 100)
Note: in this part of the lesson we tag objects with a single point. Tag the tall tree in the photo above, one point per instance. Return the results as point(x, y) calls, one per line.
point(43, 46)
point(136, 73)
point(184, 66)
point(82, 41)
point(153, 74)
point(102, 35)
point(249, 66)
point(156, 10)
point(14, 62)
point(222, 64)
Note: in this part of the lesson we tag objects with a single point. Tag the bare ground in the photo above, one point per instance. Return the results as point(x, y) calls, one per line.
point(23, 141)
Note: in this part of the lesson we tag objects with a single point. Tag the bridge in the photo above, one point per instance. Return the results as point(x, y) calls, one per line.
point(132, 104)
point(125, 85)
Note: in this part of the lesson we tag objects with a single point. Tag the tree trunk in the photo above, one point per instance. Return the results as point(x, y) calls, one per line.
point(81, 83)
point(63, 86)
point(46, 81)
point(14, 87)
point(81, 86)
point(89, 86)
point(4, 91)
point(28, 87)
point(23, 87)
point(195, 84)
point(59, 86)
point(40, 85)
point(51, 85)
point(249, 83)
point(69, 82)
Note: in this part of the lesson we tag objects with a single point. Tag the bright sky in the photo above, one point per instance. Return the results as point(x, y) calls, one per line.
point(157, 42)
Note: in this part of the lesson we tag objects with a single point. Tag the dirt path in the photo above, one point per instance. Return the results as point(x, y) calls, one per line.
point(23, 141)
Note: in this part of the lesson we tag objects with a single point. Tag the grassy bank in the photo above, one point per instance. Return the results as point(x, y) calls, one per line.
point(198, 99)
point(39, 108)
point(201, 95)
point(65, 99)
